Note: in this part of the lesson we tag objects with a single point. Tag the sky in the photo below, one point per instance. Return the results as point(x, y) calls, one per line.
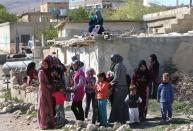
point(170, 2)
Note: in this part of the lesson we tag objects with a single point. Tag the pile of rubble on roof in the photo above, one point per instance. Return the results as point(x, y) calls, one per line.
point(183, 86)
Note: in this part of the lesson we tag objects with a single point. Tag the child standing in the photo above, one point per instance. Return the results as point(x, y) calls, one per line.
point(133, 101)
point(90, 94)
point(59, 108)
point(101, 89)
point(165, 97)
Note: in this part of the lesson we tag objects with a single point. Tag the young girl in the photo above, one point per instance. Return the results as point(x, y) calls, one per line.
point(101, 89)
point(90, 94)
point(59, 107)
point(133, 101)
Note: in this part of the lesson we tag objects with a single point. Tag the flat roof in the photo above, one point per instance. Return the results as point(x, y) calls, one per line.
point(55, 3)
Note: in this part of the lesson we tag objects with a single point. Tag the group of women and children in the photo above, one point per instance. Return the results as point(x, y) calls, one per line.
point(128, 97)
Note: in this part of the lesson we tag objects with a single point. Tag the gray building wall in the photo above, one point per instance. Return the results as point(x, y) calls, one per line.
point(169, 50)
point(10, 31)
point(5, 37)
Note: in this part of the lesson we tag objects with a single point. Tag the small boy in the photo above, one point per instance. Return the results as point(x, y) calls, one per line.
point(59, 108)
point(133, 101)
point(165, 97)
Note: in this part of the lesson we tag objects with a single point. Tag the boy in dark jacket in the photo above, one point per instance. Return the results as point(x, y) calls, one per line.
point(165, 97)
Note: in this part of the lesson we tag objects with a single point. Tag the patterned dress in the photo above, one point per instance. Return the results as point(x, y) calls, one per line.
point(45, 107)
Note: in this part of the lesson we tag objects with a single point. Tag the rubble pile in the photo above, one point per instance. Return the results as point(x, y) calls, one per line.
point(188, 127)
point(83, 126)
point(16, 108)
point(183, 86)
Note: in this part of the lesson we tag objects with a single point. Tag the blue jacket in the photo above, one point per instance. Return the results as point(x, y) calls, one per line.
point(165, 92)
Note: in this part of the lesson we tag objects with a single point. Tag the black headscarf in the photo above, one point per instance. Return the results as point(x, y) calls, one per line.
point(154, 66)
point(116, 58)
point(140, 72)
point(153, 57)
point(30, 67)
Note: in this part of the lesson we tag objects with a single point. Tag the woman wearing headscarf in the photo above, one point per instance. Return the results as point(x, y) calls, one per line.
point(119, 111)
point(140, 79)
point(32, 73)
point(92, 22)
point(45, 107)
point(78, 90)
point(154, 73)
point(99, 21)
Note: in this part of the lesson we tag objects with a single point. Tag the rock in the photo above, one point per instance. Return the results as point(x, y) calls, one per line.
point(9, 108)
point(116, 125)
point(101, 128)
point(83, 129)
point(32, 108)
point(26, 106)
point(79, 129)
point(34, 120)
point(29, 117)
point(17, 113)
point(91, 127)
point(28, 112)
point(28, 124)
point(109, 129)
point(123, 128)
point(71, 127)
point(80, 124)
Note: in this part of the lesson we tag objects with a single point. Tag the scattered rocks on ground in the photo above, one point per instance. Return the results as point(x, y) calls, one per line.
point(81, 124)
point(29, 117)
point(188, 127)
point(116, 125)
point(28, 112)
point(18, 113)
point(91, 127)
point(79, 129)
point(8, 108)
point(32, 108)
point(183, 86)
point(124, 127)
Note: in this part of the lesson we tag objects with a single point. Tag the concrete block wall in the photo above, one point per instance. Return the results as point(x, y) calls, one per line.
point(170, 50)
point(75, 28)
point(26, 97)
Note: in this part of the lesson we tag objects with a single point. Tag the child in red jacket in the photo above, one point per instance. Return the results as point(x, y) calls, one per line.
point(59, 108)
point(102, 88)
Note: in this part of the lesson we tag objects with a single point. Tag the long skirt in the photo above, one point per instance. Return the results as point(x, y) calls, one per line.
point(119, 111)
point(45, 110)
